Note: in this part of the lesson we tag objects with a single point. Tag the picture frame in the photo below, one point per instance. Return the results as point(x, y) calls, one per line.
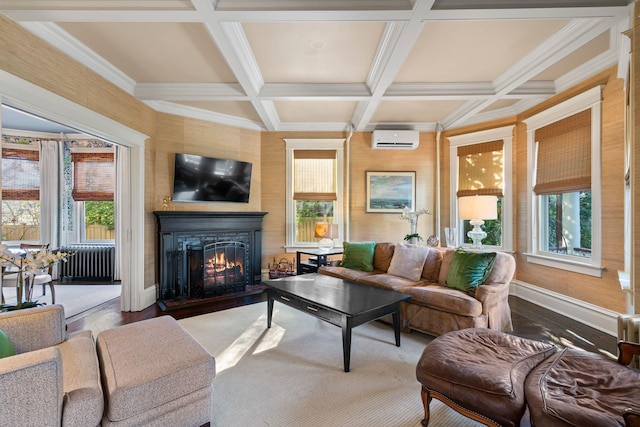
point(390, 192)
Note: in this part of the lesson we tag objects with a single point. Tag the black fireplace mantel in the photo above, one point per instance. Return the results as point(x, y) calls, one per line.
point(185, 221)
point(177, 227)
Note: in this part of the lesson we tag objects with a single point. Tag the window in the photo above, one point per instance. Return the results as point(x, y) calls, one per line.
point(564, 185)
point(479, 164)
point(314, 189)
point(20, 191)
point(93, 192)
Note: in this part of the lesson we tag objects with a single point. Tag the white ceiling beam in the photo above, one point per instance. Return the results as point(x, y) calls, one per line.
point(391, 54)
point(532, 13)
point(200, 114)
point(103, 15)
point(310, 91)
point(571, 37)
point(335, 91)
point(190, 92)
point(234, 46)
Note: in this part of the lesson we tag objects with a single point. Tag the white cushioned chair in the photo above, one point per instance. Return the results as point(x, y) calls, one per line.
point(9, 278)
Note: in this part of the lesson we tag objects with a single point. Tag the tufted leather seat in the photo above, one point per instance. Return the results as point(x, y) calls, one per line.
point(579, 388)
point(481, 371)
point(492, 377)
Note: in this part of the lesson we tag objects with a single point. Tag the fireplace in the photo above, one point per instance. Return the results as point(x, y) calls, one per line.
point(207, 254)
point(217, 268)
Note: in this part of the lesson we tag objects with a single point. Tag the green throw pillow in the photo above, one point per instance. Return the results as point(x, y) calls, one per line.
point(468, 270)
point(6, 348)
point(358, 256)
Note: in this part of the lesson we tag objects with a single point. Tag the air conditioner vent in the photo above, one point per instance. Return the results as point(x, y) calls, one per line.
point(395, 139)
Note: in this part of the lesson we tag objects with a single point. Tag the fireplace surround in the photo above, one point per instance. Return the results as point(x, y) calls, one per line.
point(207, 254)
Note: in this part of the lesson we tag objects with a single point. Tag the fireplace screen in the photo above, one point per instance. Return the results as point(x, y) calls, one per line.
point(218, 268)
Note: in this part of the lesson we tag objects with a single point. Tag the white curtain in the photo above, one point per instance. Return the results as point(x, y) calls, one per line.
point(49, 193)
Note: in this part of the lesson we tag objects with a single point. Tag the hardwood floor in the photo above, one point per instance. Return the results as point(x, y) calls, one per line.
point(529, 321)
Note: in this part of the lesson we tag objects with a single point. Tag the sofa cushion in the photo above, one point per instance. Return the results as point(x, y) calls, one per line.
point(46, 327)
point(382, 256)
point(432, 264)
point(447, 257)
point(83, 399)
point(358, 255)
point(345, 273)
point(580, 388)
point(389, 281)
point(469, 269)
point(445, 299)
point(408, 261)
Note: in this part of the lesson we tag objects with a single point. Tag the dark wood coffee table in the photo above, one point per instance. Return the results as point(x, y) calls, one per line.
point(339, 302)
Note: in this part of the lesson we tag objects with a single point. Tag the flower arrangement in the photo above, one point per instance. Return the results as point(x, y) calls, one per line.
point(26, 266)
point(412, 217)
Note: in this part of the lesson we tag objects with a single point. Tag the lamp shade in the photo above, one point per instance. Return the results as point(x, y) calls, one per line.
point(478, 207)
point(325, 230)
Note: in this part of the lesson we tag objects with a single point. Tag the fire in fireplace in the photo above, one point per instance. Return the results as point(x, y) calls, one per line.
point(217, 268)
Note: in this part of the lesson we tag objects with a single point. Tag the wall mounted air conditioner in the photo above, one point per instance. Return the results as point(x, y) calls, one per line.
point(395, 139)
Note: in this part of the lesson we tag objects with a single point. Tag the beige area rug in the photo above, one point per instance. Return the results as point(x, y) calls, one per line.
point(74, 298)
point(292, 374)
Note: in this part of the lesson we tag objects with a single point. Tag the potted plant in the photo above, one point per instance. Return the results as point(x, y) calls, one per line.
point(412, 216)
point(413, 238)
point(26, 265)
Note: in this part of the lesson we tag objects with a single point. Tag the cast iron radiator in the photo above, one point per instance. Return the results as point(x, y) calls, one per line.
point(88, 262)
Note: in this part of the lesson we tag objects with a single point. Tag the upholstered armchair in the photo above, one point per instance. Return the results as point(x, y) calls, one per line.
point(54, 378)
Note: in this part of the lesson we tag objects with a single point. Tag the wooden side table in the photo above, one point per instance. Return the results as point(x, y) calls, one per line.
point(321, 257)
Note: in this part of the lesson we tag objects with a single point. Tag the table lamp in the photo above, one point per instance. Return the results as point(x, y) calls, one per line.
point(477, 209)
point(326, 232)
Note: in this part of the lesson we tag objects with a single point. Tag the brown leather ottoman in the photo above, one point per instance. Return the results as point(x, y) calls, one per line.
point(579, 388)
point(480, 373)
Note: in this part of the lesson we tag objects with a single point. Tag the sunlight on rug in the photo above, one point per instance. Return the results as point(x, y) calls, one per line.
point(292, 374)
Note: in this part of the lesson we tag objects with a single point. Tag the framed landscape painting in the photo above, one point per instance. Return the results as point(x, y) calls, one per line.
point(390, 192)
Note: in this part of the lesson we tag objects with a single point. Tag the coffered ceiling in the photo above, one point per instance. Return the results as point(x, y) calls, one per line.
point(328, 65)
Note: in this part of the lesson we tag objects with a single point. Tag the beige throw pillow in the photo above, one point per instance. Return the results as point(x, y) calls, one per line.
point(408, 261)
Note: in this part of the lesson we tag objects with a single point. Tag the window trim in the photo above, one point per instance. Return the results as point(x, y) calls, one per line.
point(313, 144)
point(505, 134)
point(590, 99)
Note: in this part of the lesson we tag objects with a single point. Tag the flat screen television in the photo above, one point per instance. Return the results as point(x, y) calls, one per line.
point(207, 179)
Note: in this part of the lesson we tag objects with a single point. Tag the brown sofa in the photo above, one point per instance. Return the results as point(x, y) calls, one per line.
point(434, 307)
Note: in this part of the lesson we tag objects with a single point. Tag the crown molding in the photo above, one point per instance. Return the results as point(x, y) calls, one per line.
point(59, 38)
point(197, 113)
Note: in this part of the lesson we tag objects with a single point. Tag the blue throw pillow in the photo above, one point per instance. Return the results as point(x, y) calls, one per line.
point(6, 347)
point(468, 270)
point(358, 256)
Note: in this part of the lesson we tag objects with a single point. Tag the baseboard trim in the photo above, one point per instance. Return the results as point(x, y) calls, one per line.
point(149, 296)
point(591, 315)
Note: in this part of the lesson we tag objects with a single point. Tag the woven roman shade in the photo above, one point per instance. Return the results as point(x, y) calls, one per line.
point(93, 176)
point(480, 169)
point(564, 155)
point(314, 175)
point(20, 174)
